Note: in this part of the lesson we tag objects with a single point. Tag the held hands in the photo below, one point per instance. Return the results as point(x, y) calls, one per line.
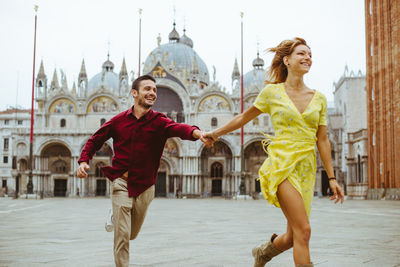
point(83, 167)
point(337, 191)
point(208, 138)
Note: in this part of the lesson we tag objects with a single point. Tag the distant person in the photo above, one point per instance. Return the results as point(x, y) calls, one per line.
point(287, 176)
point(139, 135)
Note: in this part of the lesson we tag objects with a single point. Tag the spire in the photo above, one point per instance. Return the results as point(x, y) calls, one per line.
point(41, 73)
point(235, 72)
point(82, 73)
point(54, 82)
point(123, 69)
point(73, 89)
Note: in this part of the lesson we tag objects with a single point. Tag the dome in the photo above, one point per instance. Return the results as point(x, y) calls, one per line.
point(186, 40)
point(258, 63)
point(180, 57)
point(254, 79)
point(174, 35)
point(107, 78)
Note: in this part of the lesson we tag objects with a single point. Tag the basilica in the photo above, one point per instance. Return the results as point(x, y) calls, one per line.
point(66, 117)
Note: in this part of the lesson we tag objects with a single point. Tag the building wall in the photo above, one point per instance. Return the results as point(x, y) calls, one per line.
point(383, 84)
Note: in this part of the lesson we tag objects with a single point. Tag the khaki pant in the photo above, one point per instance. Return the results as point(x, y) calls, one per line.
point(129, 214)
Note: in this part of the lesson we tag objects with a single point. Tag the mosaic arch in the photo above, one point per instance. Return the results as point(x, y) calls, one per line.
point(171, 148)
point(102, 104)
point(63, 106)
point(214, 103)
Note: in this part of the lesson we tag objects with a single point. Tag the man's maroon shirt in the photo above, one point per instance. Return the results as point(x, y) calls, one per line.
point(138, 146)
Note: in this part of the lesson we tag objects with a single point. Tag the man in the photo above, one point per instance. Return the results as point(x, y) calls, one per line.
point(139, 135)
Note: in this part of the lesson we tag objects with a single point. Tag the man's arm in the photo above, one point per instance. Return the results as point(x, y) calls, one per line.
point(92, 145)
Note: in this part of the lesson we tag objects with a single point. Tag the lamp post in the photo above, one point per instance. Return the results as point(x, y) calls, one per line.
point(140, 36)
point(30, 182)
point(242, 176)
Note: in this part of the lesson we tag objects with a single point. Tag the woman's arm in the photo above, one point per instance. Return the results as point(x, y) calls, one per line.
point(237, 122)
point(324, 148)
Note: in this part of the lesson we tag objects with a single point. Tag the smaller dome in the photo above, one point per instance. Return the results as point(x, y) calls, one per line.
point(108, 65)
point(174, 35)
point(258, 63)
point(186, 40)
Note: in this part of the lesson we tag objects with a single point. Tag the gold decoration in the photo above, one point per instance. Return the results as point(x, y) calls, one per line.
point(63, 106)
point(214, 103)
point(159, 72)
point(102, 104)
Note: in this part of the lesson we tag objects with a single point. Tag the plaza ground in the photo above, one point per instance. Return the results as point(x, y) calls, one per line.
point(194, 232)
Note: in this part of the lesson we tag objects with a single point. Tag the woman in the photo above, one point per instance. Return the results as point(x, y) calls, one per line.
point(287, 176)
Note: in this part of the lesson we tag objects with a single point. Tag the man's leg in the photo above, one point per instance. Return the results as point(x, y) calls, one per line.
point(122, 208)
point(140, 205)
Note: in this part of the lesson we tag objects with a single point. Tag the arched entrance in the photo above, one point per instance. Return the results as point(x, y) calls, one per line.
point(216, 179)
point(216, 169)
point(254, 155)
point(170, 104)
point(161, 183)
point(56, 158)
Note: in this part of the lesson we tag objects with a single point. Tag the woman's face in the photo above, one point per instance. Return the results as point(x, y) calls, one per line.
point(300, 60)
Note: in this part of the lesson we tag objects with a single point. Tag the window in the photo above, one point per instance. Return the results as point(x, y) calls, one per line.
point(19, 122)
point(5, 159)
point(333, 154)
point(14, 163)
point(4, 185)
point(62, 123)
point(98, 171)
point(6, 141)
point(255, 122)
point(6, 122)
point(214, 122)
point(216, 170)
point(102, 121)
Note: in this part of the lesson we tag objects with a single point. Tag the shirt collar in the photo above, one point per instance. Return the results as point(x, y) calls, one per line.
point(146, 116)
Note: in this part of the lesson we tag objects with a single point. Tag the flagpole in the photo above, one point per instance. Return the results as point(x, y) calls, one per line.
point(30, 182)
point(242, 182)
point(140, 36)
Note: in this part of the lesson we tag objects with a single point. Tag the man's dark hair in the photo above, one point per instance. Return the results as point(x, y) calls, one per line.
point(136, 83)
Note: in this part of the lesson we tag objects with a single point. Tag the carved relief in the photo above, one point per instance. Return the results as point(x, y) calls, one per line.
point(102, 104)
point(214, 103)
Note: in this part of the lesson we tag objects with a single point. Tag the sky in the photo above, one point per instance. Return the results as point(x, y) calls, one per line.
point(70, 30)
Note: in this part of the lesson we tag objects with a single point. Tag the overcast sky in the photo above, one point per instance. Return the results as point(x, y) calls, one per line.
point(71, 30)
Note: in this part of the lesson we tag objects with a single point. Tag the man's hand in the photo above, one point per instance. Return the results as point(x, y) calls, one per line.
point(200, 135)
point(209, 139)
point(83, 167)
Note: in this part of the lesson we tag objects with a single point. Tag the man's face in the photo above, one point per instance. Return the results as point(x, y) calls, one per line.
point(146, 95)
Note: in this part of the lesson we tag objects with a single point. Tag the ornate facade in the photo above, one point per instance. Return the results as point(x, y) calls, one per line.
point(66, 117)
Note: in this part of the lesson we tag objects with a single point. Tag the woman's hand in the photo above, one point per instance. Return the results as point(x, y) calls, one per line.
point(337, 191)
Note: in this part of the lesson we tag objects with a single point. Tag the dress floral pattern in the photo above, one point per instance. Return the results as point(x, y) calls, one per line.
point(291, 152)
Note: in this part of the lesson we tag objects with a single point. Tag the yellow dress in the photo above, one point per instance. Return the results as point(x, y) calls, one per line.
point(291, 152)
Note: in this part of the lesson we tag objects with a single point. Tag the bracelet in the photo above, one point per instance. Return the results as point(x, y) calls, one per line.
point(332, 178)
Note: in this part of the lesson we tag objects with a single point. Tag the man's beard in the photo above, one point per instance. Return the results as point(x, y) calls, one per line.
point(143, 104)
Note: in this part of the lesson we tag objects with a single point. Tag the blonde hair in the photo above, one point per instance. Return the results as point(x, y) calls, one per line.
point(277, 72)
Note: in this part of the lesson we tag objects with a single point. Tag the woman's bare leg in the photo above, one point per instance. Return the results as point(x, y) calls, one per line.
point(292, 206)
point(284, 241)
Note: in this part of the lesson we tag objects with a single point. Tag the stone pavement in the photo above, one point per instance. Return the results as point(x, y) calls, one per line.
point(194, 232)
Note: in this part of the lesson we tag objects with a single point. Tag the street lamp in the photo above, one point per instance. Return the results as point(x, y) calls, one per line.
point(30, 182)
